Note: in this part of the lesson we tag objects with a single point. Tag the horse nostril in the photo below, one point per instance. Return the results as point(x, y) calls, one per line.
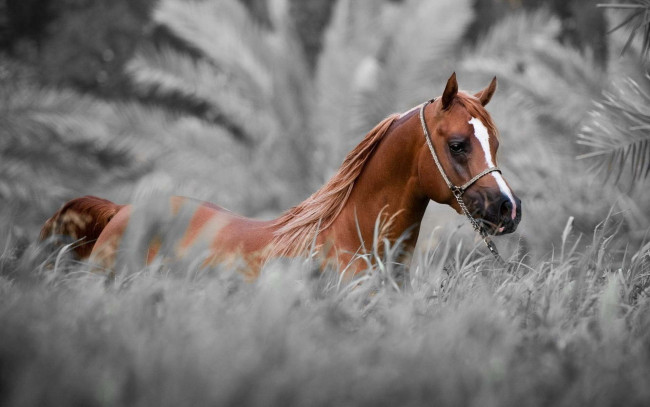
point(506, 209)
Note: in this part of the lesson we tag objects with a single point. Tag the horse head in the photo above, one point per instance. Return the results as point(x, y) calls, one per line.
point(461, 158)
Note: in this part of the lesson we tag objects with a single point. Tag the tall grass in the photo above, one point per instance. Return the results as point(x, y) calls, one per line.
point(569, 330)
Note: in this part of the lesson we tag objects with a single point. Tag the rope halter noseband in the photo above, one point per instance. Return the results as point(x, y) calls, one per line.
point(458, 191)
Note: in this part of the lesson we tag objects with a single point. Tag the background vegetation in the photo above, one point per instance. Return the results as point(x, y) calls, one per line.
point(252, 105)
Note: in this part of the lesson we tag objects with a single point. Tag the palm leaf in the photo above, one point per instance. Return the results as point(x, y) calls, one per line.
point(361, 78)
point(250, 79)
point(617, 137)
point(240, 73)
point(429, 36)
point(165, 77)
point(523, 52)
point(55, 143)
point(638, 21)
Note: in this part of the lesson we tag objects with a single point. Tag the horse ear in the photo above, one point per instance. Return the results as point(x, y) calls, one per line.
point(486, 94)
point(450, 91)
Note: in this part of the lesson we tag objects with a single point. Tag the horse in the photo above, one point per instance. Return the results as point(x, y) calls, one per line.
point(401, 165)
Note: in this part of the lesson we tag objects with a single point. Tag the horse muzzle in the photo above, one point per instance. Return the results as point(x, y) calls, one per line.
point(499, 213)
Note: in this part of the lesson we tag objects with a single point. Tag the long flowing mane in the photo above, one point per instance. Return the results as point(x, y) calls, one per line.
point(298, 227)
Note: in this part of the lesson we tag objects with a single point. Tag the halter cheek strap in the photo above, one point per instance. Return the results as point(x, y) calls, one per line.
point(457, 190)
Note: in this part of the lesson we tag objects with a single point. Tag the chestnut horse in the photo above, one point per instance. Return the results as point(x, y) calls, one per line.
point(388, 179)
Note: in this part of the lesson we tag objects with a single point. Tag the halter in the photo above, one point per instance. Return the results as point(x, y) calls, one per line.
point(458, 191)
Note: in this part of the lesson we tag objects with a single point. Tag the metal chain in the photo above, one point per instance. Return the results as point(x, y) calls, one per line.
point(478, 227)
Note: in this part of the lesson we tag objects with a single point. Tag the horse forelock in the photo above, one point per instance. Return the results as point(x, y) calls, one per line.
point(474, 107)
point(297, 228)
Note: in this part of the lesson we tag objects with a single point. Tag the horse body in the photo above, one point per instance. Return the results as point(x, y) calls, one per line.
point(333, 222)
point(386, 181)
point(207, 230)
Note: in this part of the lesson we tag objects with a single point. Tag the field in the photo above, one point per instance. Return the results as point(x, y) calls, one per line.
point(229, 110)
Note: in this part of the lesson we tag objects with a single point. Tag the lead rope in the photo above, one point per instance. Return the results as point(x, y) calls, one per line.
point(459, 191)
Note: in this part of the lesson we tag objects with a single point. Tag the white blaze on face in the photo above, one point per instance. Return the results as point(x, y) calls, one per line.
point(481, 133)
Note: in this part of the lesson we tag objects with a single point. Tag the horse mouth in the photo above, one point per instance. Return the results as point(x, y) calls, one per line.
point(498, 229)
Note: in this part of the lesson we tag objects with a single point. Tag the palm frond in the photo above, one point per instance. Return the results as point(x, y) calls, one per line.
point(411, 49)
point(545, 92)
point(426, 48)
point(617, 135)
point(523, 52)
point(342, 52)
point(637, 21)
point(168, 78)
point(417, 57)
point(224, 33)
point(245, 70)
point(55, 143)
point(249, 78)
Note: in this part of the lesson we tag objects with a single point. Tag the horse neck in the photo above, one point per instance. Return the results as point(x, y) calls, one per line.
point(387, 191)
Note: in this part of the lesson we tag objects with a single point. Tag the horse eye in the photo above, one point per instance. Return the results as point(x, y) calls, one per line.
point(457, 148)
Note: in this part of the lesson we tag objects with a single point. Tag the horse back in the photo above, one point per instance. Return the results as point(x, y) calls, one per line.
point(183, 227)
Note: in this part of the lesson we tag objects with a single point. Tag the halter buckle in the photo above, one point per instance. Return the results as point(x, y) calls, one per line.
point(457, 191)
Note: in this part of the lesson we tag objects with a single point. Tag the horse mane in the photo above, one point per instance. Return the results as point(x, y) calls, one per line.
point(298, 227)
